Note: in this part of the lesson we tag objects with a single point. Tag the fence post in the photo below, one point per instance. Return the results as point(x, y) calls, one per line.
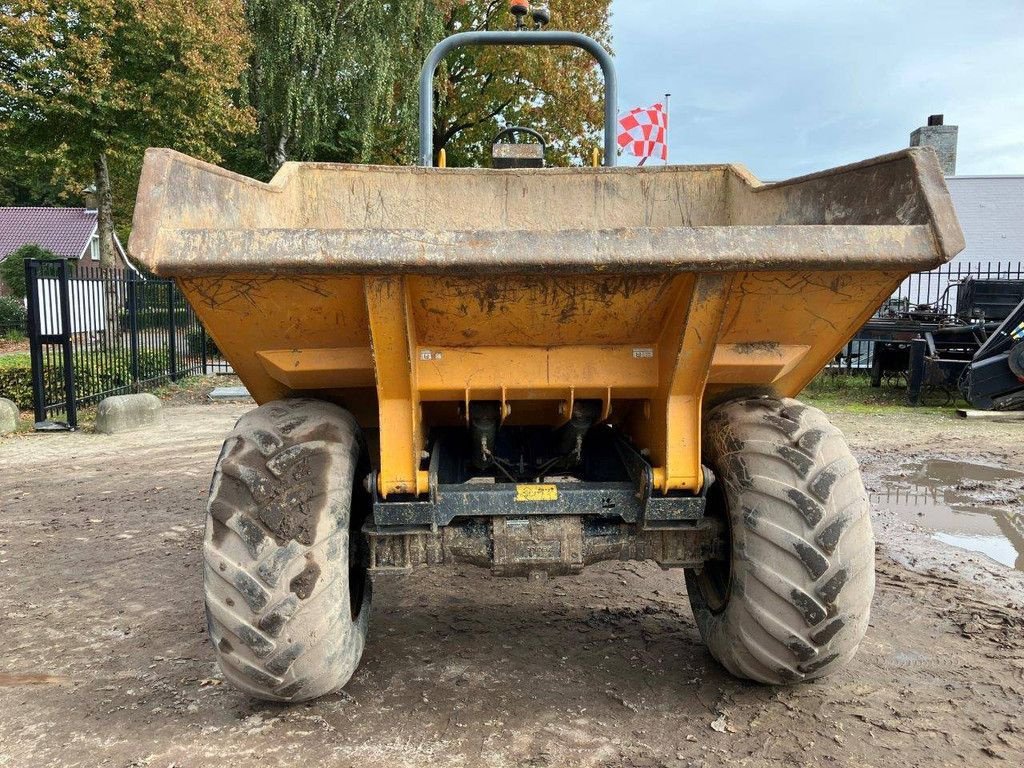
point(34, 339)
point(172, 340)
point(133, 327)
point(202, 343)
point(71, 405)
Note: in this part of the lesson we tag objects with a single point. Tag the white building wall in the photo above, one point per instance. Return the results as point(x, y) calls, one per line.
point(991, 213)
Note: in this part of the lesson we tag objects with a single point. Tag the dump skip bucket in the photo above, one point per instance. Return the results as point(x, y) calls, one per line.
point(405, 294)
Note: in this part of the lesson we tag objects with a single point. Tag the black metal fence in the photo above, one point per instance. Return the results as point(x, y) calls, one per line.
point(934, 296)
point(95, 333)
point(939, 290)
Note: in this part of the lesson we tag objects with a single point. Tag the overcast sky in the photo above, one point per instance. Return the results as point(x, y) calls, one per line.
point(791, 86)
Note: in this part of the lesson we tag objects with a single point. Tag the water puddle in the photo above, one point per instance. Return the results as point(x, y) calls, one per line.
point(971, 506)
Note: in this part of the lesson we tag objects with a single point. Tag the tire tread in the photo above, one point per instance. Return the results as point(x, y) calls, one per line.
point(271, 640)
point(803, 560)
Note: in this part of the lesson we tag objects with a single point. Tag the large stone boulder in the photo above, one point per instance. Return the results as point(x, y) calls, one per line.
point(127, 413)
point(9, 416)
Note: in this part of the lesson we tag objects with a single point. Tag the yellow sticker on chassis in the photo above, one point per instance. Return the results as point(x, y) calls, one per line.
point(534, 492)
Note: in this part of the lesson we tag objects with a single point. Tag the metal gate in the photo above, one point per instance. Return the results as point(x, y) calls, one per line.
point(100, 332)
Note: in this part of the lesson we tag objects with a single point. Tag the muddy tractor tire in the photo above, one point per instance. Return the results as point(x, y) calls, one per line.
point(287, 593)
point(791, 601)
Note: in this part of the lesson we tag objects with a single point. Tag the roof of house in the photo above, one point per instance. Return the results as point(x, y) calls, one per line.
point(65, 231)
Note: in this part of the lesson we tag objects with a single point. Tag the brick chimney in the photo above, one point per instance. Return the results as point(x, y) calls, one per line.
point(91, 198)
point(942, 138)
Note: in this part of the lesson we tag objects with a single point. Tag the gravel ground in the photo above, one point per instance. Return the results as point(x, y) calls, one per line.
point(104, 658)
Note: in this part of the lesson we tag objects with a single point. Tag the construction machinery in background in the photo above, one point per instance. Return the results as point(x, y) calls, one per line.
point(944, 354)
point(532, 370)
point(995, 376)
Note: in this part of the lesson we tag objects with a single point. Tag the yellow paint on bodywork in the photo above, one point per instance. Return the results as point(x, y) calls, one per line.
point(398, 397)
point(326, 368)
point(403, 294)
point(650, 348)
point(754, 362)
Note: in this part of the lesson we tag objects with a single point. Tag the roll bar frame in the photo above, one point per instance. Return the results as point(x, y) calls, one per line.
point(528, 38)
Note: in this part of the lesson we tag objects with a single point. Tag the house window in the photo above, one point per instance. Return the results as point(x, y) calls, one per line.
point(94, 247)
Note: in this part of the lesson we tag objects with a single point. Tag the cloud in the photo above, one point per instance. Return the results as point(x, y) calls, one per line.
point(790, 86)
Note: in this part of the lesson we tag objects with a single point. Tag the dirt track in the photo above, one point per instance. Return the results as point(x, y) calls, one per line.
point(104, 659)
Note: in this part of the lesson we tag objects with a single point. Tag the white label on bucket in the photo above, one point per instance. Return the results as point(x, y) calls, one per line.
point(426, 354)
point(643, 353)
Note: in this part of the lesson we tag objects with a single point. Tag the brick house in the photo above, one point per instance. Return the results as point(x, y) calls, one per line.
point(71, 233)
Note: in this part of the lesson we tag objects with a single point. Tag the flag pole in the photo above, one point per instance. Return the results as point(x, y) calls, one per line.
point(668, 125)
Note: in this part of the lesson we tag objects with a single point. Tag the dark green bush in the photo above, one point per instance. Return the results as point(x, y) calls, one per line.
point(93, 375)
point(153, 364)
point(12, 314)
point(16, 384)
point(194, 343)
point(155, 317)
point(102, 373)
point(12, 269)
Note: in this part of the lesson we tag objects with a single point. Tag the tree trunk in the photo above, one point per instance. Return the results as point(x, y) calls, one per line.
point(104, 212)
point(280, 156)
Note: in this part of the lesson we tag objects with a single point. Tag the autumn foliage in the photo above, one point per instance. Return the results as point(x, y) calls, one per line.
point(87, 85)
point(557, 91)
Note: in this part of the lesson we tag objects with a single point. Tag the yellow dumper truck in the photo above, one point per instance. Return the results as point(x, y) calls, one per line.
point(531, 370)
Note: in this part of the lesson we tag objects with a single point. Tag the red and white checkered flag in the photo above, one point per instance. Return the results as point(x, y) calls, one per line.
point(644, 132)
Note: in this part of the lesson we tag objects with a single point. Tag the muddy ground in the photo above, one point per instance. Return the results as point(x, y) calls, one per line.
point(104, 658)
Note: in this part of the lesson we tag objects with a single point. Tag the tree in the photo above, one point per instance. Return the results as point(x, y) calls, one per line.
point(380, 115)
point(12, 269)
point(323, 76)
point(557, 91)
point(88, 83)
point(297, 56)
point(335, 80)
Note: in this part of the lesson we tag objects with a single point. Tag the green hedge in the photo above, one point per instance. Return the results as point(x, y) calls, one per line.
point(154, 317)
point(194, 343)
point(12, 314)
point(16, 384)
point(93, 376)
point(152, 364)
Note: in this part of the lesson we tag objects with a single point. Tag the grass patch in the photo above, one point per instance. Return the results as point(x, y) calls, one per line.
point(854, 394)
point(15, 360)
